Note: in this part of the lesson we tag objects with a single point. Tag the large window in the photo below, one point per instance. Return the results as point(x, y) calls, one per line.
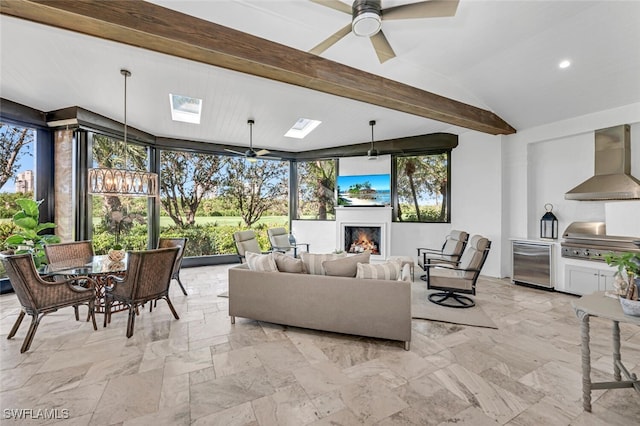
point(17, 166)
point(316, 189)
point(422, 188)
point(118, 220)
point(207, 197)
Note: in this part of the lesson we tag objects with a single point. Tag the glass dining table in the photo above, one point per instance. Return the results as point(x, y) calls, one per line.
point(98, 267)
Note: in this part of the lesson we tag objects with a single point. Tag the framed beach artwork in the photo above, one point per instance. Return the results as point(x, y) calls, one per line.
point(364, 190)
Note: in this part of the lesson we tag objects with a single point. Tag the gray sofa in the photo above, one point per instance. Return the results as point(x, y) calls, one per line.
point(364, 307)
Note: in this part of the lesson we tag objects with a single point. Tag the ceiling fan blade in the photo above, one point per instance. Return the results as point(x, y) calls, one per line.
point(331, 40)
point(335, 4)
point(234, 151)
point(423, 9)
point(262, 152)
point(382, 47)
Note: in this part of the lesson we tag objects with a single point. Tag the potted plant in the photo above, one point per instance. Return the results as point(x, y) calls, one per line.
point(121, 222)
point(628, 265)
point(28, 238)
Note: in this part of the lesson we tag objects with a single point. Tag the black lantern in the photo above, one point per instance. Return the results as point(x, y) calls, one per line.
point(549, 224)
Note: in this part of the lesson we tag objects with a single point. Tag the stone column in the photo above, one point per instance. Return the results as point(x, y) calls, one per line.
point(64, 184)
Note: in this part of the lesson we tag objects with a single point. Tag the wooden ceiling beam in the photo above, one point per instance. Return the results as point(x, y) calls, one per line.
point(149, 26)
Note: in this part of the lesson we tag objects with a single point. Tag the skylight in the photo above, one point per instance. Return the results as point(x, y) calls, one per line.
point(185, 109)
point(564, 64)
point(302, 128)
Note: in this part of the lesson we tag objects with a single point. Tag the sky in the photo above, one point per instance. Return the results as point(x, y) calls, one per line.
point(25, 162)
point(378, 182)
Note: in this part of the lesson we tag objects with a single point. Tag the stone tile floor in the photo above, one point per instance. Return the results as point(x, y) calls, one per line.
point(202, 370)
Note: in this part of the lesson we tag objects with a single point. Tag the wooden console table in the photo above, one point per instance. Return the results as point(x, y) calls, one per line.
point(599, 305)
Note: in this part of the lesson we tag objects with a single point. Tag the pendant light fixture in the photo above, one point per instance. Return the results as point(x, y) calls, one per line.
point(372, 154)
point(123, 182)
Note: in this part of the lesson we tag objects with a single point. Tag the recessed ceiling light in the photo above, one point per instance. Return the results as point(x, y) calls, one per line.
point(185, 108)
point(564, 64)
point(302, 128)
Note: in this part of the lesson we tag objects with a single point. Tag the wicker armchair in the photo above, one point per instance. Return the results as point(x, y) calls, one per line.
point(64, 252)
point(39, 297)
point(181, 243)
point(147, 280)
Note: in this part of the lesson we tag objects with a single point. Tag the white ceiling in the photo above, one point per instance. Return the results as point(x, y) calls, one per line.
point(498, 55)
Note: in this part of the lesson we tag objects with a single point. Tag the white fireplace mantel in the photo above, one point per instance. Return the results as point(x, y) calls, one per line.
point(365, 216)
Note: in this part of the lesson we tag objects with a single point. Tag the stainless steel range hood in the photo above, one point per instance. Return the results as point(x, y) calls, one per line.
point(612, 180)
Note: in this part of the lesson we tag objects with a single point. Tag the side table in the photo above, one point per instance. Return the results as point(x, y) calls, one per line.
point(599, 305)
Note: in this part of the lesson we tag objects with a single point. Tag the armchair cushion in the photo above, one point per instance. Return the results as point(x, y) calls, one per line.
point(345, 267)
point(280, 241)
point(451, 278)
point(261, 262)
point(472, 257)
point(246, 242)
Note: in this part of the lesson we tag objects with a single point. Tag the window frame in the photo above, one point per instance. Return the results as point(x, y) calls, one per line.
point(295, 189)
point(394, 184)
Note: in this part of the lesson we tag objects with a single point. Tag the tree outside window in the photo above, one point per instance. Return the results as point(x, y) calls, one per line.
point(17, 175)
point(119, 220)
point(316, 189)
point(422, 186)
point(257, 189)
point(207, 197)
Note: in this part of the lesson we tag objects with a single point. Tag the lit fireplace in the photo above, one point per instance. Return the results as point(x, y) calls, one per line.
point(360, 238)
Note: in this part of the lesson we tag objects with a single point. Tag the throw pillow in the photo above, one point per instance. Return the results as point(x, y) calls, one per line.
point(379, 271)
point(313, 261)
point(287, 263)
point(345, 267)
point(405, 275)
point(261, 262)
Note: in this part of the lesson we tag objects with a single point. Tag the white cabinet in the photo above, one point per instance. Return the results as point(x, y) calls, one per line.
point(582, 280)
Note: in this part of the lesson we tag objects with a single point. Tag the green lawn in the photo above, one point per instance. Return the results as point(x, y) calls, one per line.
point(166, 221)
point(229, 220)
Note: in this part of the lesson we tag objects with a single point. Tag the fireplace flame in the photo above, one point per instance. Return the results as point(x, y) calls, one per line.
point(363, 243)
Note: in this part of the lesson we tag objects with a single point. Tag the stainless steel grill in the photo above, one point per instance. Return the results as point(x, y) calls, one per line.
point(589, 241)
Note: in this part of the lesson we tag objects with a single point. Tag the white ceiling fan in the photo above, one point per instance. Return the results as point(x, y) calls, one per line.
point(251, 154)
point(367, 17)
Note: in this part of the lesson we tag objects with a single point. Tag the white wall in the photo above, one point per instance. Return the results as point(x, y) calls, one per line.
point(567, 148)
point(543, 163)
point(476, 192)
point(500, 185)
point(363, 166)
point(476, 202)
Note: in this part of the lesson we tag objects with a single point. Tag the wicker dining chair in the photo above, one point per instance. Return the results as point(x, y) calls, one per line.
point(181, 243)
point(81, 250)
point(147, 280)
point(39, 297)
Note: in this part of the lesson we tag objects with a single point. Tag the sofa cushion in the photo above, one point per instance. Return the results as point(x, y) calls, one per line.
point(287, 263)
point(346, 266)
point(261, 262)
point(379, 271)
point(313, 261)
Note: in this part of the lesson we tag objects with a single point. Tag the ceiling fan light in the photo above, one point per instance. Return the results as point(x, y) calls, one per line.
point(366, 24)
